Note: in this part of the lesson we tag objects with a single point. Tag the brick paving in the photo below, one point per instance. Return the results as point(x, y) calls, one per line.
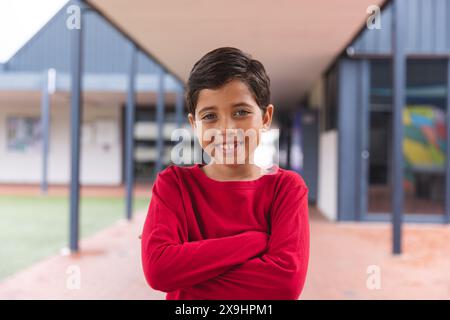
point(109, 265)
point(342, 252)
point(140, 190)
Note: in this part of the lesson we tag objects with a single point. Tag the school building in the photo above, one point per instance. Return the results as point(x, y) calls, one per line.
point(367, 143)
point(358, 130)
point(35, 87)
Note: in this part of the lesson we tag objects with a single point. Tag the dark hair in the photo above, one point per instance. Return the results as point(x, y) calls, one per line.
point(222, 65)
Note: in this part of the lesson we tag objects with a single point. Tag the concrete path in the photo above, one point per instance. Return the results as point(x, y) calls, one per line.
point(109, 265)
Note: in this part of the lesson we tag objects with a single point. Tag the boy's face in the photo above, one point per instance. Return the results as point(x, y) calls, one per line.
point(228, 123)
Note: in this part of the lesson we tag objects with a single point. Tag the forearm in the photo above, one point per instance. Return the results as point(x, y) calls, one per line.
point(260, 278)
point(171, 266)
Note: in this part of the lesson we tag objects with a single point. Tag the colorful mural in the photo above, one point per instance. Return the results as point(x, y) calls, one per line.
point(424, 140)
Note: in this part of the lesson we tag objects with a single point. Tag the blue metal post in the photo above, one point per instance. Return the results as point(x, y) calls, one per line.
point(75, 119)
point(447, 151)
point(179, 107)
point(45, 123)
point(160, 122)
point(129, 141)
point(399, 80)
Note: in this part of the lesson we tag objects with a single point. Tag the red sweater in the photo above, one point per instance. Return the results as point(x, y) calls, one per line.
point(209, 239)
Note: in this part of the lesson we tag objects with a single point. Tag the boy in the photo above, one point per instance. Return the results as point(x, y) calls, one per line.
point(227, 230)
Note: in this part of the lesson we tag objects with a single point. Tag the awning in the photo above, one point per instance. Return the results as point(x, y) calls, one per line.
point(295, 39)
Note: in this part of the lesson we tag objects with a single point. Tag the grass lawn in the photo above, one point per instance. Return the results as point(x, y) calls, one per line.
point(34, 227)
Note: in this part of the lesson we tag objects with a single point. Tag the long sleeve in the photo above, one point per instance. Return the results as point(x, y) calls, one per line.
point(169, 261)
point(279, 273)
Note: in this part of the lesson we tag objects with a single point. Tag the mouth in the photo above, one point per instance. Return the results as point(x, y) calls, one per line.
point(228, 147)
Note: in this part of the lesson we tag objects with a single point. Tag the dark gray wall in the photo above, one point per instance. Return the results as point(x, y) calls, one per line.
point(348, 120)
point(427, 30)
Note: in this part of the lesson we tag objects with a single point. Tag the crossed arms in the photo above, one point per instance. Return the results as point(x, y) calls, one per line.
point(249, 265)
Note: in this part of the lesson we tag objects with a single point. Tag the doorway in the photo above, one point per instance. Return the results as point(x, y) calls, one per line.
point(424, 140)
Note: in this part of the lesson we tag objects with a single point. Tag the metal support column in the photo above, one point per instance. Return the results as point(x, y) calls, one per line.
point(75, 119)
point(399, 81)
point(160, 106)
point(447, 151)
point(179, 107)
point(129, 140)
point(48, 85)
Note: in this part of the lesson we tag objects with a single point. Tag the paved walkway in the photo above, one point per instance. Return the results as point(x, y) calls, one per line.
point(110, 268)
point(341, 254)
point(140, 190)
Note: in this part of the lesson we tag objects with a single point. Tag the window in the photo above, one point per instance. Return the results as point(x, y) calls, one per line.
point(23, 133)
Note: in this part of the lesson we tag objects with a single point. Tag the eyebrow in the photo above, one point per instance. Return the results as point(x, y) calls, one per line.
point(241, 104)
point(234, 105)
point(207, 109)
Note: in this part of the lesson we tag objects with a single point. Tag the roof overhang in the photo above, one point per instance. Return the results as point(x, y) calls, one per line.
point(295, 40)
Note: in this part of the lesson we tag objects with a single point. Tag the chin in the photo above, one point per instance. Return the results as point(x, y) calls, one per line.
point(232, 164)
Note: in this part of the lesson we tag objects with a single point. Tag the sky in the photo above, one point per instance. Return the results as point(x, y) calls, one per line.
point(20, 20)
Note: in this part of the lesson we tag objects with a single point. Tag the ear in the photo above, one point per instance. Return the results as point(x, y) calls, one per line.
point(192, 120)
point(267, 118)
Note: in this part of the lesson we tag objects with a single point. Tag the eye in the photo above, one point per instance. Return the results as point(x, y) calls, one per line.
point(209, 116)
point(242, 112)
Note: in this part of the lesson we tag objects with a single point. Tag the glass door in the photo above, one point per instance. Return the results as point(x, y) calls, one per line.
point(424, 141)
point(379, 137)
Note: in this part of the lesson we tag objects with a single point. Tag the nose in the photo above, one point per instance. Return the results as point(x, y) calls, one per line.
point(227, 128)
point(226, 124)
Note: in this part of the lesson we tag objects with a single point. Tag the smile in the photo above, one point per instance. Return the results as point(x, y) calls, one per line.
point(227, 147)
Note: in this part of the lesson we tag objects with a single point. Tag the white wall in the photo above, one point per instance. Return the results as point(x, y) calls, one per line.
point(328, 170)
point(98, 166)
